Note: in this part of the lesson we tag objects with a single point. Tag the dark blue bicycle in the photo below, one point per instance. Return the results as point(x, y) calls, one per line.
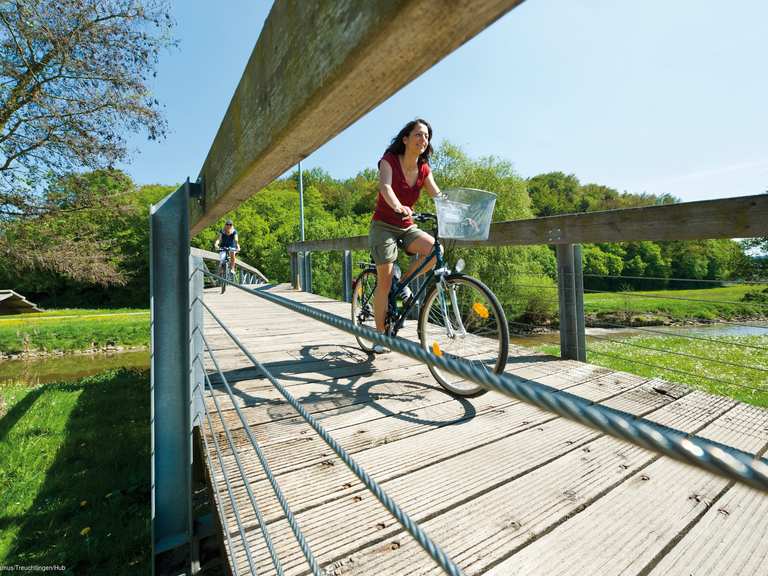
point(459, 316)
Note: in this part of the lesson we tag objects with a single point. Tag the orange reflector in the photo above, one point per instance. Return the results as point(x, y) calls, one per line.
point(360, 290)
point(480, 310)
point(436, 349)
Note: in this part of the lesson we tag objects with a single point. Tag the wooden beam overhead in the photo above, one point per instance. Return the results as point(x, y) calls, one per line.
point(317, 67)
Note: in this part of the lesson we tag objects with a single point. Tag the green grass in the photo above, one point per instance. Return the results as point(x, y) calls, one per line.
point(723, 303)
point(72, 312)
point(642, 355)
point(75, 474)
point(74, 332)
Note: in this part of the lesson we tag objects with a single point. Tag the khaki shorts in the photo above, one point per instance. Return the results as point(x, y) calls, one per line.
point(383, 239)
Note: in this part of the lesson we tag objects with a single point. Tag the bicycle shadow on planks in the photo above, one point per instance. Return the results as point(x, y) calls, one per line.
point(333, 379)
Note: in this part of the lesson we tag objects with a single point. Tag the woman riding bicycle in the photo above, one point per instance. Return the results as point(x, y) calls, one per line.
point(228, 243)
point(403, 171)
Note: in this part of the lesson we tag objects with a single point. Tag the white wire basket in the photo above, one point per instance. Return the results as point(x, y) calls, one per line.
point(465, 213)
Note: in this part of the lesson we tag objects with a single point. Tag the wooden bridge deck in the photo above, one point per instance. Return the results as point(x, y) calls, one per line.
point(503, 487)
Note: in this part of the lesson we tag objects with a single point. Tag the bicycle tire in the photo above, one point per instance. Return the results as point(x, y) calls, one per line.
point(363, 291)
point(222, 274)
point(489, 347)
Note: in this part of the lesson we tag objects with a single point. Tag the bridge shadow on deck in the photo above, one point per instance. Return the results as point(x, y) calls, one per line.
point(344, 373)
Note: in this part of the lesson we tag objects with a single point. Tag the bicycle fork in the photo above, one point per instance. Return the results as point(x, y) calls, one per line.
point(460, 329)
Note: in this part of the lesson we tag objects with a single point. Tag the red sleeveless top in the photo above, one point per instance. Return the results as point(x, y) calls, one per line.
point(408, 195)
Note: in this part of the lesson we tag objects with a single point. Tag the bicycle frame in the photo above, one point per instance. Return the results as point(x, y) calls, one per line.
point(434, 277)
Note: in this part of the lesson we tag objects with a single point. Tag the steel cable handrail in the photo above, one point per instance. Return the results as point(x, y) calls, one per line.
point(236, 510)
point(712, 456)
point(302, 541)
point(437, 554)
point(257, 511)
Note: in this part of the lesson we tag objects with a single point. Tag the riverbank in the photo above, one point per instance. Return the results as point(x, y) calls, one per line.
point(675, 307)
point(74, 471)
point(69, 331)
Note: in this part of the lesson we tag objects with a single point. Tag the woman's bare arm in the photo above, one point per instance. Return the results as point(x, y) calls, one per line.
point(432, 187)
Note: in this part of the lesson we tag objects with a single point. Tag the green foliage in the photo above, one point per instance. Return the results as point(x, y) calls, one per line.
point(97, 254)
point(759, 296)
point(677, 305)
point(268, 222)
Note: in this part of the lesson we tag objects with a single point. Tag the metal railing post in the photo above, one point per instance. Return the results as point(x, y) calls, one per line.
point(346, 276)
point(170, 403)
point(197, 384)
point(571, 296)
point(307, 286)
point(294, 270)
point(302, 269)
point(578, 285)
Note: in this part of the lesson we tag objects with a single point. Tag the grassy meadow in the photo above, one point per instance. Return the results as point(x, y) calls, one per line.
point(75, 474)
point(679, 305)
point(69, 330)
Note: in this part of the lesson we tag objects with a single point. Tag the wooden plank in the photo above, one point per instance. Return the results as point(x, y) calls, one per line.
point(732, 537)
point(742, 217)
point(631, 526)
point(402, 387)
point(486, 530)
point(501, 417)
point(310, 76)
point(431, 490)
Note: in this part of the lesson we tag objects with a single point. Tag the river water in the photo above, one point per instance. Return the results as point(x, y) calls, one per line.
point(35, 371)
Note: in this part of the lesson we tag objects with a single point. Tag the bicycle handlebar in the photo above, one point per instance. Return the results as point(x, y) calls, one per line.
point(424, 216)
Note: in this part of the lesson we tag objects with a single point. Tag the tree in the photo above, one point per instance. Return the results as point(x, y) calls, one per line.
point(73, 82)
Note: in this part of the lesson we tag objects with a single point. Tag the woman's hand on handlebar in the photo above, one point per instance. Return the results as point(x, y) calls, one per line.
point(406, 211)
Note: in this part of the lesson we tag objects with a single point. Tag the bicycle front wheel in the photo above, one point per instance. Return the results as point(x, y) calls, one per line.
point(462, 318)
point(362, 305)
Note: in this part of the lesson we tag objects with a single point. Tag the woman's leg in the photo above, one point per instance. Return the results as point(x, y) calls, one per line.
point(383, 283)
point(423, 247)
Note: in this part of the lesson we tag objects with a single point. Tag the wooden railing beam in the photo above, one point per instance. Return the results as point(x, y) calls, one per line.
point(317, 67)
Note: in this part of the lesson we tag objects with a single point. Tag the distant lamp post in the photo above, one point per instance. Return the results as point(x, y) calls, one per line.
point(305, 258)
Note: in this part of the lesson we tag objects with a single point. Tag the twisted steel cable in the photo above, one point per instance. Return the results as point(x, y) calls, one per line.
point(231, 495)
point(437, 554)
point(314, 565)
point(241, 469)
point(712, 456)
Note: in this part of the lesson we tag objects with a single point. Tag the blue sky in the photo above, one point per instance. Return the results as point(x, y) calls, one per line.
point(653, 96)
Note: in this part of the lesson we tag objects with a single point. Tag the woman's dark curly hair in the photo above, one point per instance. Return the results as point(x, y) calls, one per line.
point(397, 146)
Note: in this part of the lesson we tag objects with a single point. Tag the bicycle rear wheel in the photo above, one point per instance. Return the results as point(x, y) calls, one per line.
point(464, 320)
point(362, 305)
